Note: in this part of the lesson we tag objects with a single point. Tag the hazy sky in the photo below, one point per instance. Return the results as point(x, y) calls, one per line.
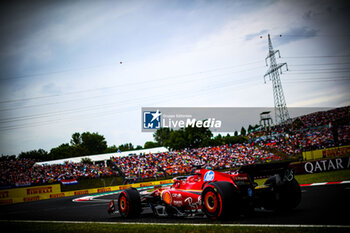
point(75, 66)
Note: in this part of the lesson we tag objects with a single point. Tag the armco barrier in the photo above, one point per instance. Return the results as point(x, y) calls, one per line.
point(16, 195)
point(326, 153)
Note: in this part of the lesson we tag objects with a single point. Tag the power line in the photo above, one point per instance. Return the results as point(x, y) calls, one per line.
point(128, 84)
point(318, 79)
point(135, 83)
point(313, 81)
point(58, 71)
point(315, 35)
point(315, 72)
point(56, 114)
point(323, 69)
point(321, 64)
point(152, 88)
point(73, 110)
point(99, 106)
point(320, 56)
point(111, 111)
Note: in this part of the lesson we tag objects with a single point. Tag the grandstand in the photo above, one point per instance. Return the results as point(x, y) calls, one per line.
point(317, 130)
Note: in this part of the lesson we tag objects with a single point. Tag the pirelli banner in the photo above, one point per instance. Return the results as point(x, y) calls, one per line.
point(15, 195)
point(333, 152)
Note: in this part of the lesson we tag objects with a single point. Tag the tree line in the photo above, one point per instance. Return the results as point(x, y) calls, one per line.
point(87, 143)
point(80, 145)
point(193, 137)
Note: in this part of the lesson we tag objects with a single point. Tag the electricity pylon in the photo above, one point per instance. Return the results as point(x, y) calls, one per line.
point(281, 111)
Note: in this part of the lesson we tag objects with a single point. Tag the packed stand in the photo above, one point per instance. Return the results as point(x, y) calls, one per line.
point(182, 162)
point(313, 131)
point(23, 172)
point(310, 132)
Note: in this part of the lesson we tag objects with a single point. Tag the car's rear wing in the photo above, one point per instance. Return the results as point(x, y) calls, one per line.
point(265, 169)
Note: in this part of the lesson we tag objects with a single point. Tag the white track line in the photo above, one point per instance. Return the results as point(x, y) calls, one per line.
point(326, 183)
point(318, 184)
point(182, 224)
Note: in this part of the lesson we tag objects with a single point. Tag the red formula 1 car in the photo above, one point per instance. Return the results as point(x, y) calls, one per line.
point(215, 194)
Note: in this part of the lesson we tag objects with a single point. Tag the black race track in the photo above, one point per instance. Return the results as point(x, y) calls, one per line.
point(321, 205)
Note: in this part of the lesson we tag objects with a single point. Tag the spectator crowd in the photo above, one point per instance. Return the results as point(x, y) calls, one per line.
point(23, 172)
point(313, 131)
point(182, 162)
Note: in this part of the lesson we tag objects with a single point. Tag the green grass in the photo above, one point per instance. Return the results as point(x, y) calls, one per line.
point(331, 176)
point(141, 228)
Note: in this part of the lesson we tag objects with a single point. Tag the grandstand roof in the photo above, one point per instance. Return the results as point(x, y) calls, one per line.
point(102, 157)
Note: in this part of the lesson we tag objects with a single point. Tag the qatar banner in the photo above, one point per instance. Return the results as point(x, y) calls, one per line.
point(69, 182)
point(322, 165)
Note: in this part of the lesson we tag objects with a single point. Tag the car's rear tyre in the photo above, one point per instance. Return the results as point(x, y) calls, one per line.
point(283, 197)
point(218, 200)
point(129, 203)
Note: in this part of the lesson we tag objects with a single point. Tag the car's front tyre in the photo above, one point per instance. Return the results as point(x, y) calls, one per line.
point(129, 203)
point(218, 200)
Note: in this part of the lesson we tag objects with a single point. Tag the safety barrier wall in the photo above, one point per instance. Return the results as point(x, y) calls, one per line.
point(17, 195)
point(326, 153)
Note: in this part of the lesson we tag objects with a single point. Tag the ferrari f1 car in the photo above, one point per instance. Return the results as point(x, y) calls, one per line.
point(215, 194)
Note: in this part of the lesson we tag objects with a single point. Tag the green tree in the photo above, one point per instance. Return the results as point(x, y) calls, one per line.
point(126, 147)
point(162, 135)
point(81, 144)
point(243, 131)
point(198, 136)
point(111, 149)
point(76, 139)
point(61, 152)
point(177, 140)
point(217, 140)
point(7, 157)
point(93, 142)
point(40, 155)
point(77, 151)
point(250, 128)
point(231, 140)
point(150, 144)
point(190, 137)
